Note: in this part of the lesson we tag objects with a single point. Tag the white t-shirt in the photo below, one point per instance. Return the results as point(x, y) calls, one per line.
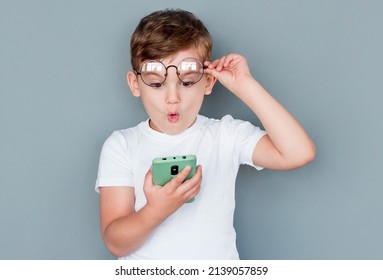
point(204, 228)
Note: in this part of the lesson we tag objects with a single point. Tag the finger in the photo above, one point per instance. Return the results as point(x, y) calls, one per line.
point(217, 64)
point(192, 186)
point(212, 70)
point(197, 176)
point(213, 64)
point(193, 182)
point(234, 60)
point(207, 63)
point(195, 185)
point(191, 194)
point(222, 62)
point(226, 61)
point(174, 183)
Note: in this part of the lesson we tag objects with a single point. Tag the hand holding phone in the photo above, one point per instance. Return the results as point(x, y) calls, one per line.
point(165, 168)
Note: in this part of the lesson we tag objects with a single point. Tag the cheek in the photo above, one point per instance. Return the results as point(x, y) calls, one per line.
point(150, 103)
point(192, 101)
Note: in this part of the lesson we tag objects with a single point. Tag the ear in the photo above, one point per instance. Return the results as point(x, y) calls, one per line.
point(210, 83)
point(133, 84)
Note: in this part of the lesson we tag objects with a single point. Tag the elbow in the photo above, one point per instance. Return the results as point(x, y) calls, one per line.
point(120, 247)
point(116, 251)
point(307, 156)
point(311, 152)
point(299, 159)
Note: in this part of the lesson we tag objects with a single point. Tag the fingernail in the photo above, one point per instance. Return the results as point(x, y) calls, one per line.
point(188, 167)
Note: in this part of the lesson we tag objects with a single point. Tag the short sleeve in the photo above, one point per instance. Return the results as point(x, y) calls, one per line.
point(115, 168)
point(246, 137)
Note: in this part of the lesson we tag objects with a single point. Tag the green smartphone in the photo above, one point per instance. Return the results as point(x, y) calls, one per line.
point(165, 168)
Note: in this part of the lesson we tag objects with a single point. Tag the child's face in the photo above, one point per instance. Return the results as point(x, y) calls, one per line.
point(173, 107)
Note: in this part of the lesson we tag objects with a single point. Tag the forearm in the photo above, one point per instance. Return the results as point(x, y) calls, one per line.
point(126, 234)
point(125, 230)
point(287, 135)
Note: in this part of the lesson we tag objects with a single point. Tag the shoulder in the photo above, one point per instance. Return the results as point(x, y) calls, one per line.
point(227, 122)
point(123, 138)
point(206, 121)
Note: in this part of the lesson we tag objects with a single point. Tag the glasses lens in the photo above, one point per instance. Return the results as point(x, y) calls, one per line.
point(190, 70)
point(153, 73)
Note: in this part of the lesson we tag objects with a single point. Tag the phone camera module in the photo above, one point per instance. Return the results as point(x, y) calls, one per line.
point(174, 170)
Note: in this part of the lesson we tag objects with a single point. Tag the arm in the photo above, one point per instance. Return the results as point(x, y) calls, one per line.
point(124, 230)
point(287, 146)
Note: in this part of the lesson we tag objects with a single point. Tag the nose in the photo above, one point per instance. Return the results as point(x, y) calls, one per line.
point(172, 96)
point(171, 86)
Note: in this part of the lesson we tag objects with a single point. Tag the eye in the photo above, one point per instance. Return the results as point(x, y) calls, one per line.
point(189, 78)
point(187, 84)
point(153, 79)
point(155, 85)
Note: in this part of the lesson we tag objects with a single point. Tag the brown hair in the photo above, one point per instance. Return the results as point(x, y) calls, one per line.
point(165, 32)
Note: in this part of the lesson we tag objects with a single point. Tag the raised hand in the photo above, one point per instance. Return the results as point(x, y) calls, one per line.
point(230, 70)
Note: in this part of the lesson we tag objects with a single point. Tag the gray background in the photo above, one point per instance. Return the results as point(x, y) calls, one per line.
point(63, 91)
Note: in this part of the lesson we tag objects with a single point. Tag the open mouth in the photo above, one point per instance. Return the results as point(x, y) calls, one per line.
point(173, 117)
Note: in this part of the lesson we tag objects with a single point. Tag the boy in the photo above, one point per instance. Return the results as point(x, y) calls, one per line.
point(142, 221)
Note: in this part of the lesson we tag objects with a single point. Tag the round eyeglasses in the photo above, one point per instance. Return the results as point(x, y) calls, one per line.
point(154, 73)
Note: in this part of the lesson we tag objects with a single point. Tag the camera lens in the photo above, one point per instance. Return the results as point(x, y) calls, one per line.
point(174, 170)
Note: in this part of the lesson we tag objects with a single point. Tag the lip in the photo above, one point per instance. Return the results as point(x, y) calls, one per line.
point(173, 117)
